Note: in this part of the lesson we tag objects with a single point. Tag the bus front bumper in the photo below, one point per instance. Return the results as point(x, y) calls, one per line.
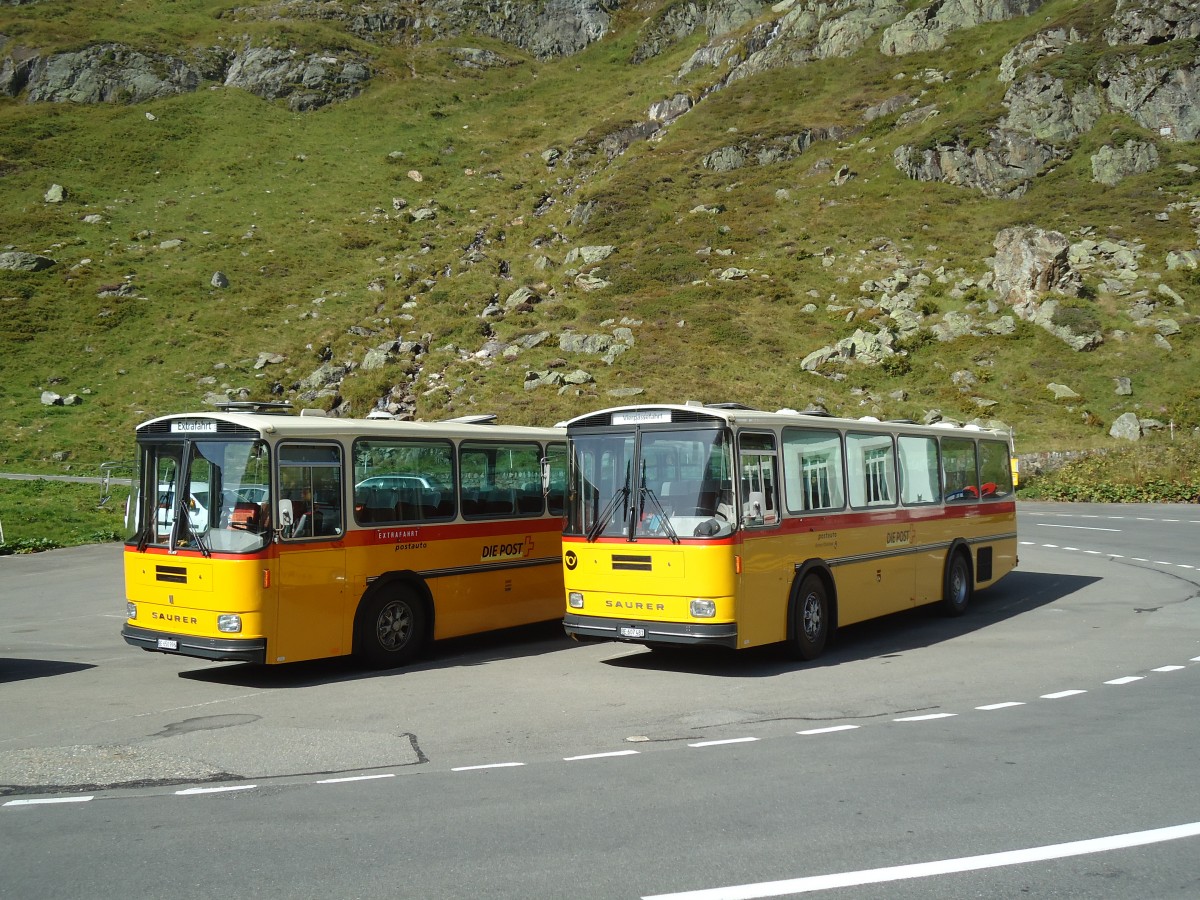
point(252, 650)
point(644, 632)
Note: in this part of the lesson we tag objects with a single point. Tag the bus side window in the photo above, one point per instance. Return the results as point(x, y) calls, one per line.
point(310, 483)
point(918, 470)
point(760, 504)
point(960, 479)
point(812, 463)
point(871, 463)
point(995, 470)
point(556, 489)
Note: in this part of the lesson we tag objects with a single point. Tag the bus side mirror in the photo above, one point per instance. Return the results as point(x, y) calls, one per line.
point(545, 463)
point(285, 514)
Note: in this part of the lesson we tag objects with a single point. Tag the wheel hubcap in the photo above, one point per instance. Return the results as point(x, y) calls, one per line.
point(958, 584)
point(394, 625)
point(812, 616)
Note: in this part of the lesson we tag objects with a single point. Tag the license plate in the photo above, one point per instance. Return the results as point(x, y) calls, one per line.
point(629, 632)
point(167, 644)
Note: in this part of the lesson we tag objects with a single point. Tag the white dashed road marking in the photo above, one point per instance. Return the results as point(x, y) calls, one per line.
point(829, 730)
point(1060, 694)
point(601, 755)
point(504, 765)
point(188, 792)
point(40, 801)
point(741, 740)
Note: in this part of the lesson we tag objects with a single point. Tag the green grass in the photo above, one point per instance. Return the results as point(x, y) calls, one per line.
point(43, 514)
point(1156, 470)
point(296, 209)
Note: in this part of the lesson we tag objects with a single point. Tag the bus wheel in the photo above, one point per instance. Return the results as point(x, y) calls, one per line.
point(391, 630)
point(956, 593)
point(810, 628)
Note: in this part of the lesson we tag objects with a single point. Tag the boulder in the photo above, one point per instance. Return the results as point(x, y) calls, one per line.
point(1126, 427)
point(1111, 164)
point(926, 28)
point(1061, 391)
point(108, 73)
point(1030, 262)
point(20, 261)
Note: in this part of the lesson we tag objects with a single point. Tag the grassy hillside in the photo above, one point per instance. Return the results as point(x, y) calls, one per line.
point(297, 210)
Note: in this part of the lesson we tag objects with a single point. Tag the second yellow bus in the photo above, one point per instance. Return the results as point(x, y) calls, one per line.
point(721, 525)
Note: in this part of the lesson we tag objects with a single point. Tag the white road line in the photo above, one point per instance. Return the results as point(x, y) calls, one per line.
point(741, 740)
point(601, 755)
point(1004, 705)
point(47, 800)
point(1060, 694)
point(508, 765)
point(1194, 659)
point(830, 730)
point(1128, 679)
point(355, 778)
point(1168, 669)
point(1077, 527)
point(188, 792)
point(927, 718)
point(938, 867)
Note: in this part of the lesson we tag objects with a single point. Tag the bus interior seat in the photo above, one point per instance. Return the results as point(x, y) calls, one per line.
point(246, 516)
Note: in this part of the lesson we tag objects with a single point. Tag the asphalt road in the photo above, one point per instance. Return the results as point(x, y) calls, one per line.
point(921, 757)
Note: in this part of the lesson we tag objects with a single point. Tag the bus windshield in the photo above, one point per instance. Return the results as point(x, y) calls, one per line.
point(678, 486)
point(210, 495)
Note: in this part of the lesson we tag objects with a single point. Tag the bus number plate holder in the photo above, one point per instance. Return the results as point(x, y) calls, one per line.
point(628, 631)
point(168, 644)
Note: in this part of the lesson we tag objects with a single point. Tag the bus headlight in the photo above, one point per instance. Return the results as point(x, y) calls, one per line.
point(575, 600)
point(130, 609)
point(229, 623)
point(703, 609)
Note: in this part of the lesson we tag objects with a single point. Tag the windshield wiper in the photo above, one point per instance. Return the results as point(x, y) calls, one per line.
point(663, 518)
point(181, 515)
point(620, 497)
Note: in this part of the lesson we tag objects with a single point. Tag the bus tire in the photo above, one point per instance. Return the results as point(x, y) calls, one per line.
point(810, 618)
point(391, 629)
point(957, 587)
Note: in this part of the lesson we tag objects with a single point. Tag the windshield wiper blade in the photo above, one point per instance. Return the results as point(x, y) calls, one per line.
point(187, 523)
point(602, 522)
point(662, 514)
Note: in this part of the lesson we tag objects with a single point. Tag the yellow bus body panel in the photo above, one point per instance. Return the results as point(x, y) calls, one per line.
point(654, 582)
point(184, 594)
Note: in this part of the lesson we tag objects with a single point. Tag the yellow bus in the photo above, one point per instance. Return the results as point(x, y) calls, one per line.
point(266, 537)
point(727, 526)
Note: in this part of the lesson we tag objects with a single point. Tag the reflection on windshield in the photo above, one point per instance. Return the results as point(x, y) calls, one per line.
point(220, 503)
point(683, 487)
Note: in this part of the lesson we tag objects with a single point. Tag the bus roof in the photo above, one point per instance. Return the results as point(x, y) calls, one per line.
point(314, 425)
point(736, 414)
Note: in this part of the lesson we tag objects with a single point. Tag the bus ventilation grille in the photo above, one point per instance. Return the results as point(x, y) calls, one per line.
point(628, 563)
